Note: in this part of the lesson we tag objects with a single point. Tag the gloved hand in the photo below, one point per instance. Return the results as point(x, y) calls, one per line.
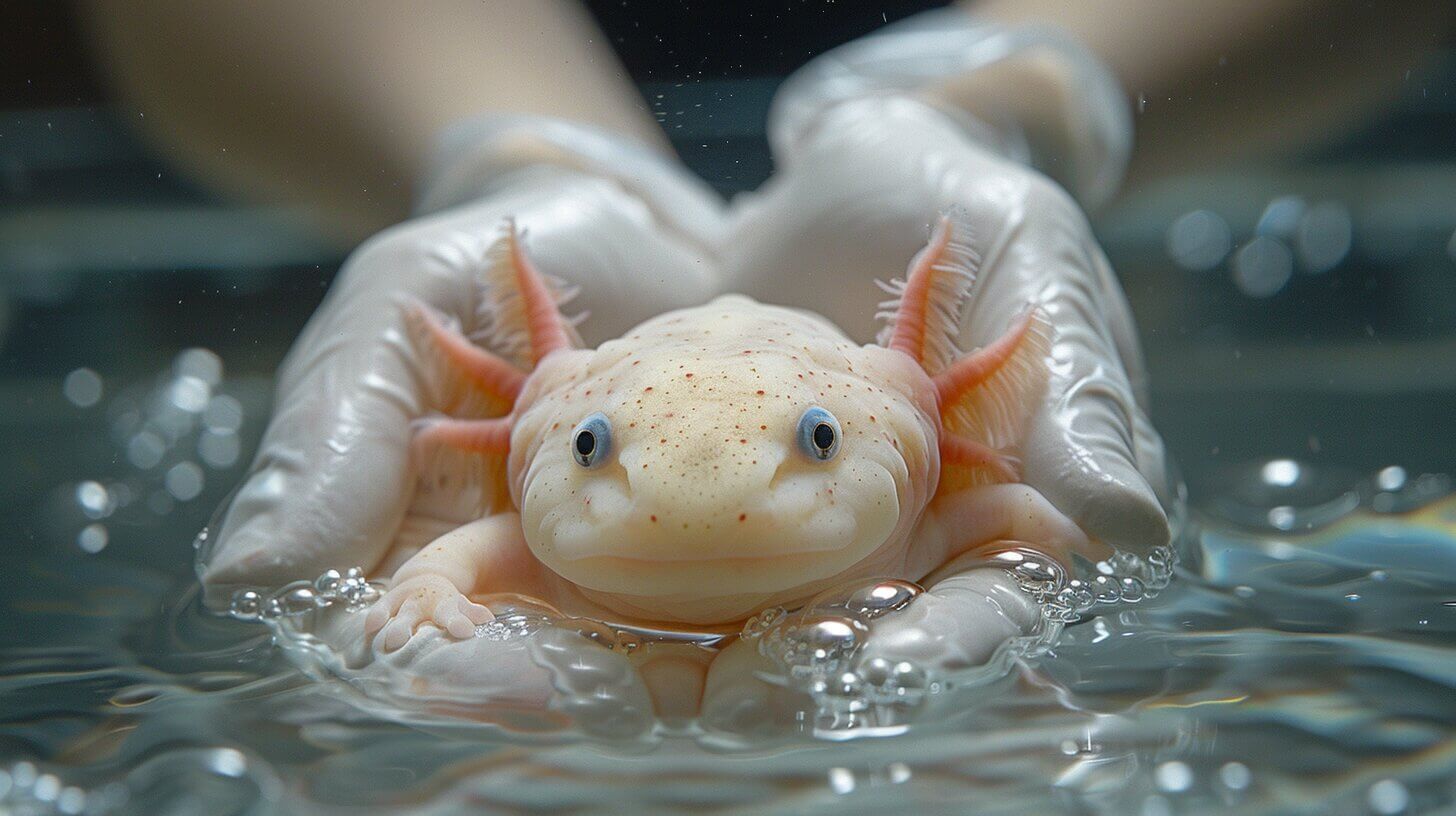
point(332, 485)
point(870, 152)
point(864, 169)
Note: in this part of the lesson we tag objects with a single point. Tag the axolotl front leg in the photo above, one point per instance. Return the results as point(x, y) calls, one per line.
point(437, 584)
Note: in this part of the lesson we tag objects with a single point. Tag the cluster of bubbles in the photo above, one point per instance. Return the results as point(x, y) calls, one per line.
point(1287, 495)
point(1291, 233)
point(169, 434)
point(25, 790)
point(349, 590)
point(1124, 578)
point(815, 650)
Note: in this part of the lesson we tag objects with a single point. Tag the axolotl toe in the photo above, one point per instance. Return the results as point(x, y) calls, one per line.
point(723, 458)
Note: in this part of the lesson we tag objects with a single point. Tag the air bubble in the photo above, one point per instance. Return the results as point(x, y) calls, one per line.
point(190, 394)
point(1173, 777)
point(145, 450)
point(184, 481)
point(218, 450)
point(83, 387)
point(1235, 776)
point(94, 499)
point(1388, 797)
point(1199, 241)
point(1262, 267)
point(1391, 478)
point(93, 538)
point(200, 364)
point(883, 598)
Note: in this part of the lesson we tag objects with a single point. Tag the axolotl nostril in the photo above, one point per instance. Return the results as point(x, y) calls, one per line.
point(719, 459)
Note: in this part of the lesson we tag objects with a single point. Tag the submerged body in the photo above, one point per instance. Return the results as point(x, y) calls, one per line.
point(719, 459)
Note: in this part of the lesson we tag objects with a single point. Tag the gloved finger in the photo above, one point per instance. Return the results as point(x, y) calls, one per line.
point(333, 478)
point(855, 203)
point(957, 624)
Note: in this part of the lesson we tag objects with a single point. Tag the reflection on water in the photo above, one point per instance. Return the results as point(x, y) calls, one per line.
point(1306, 652)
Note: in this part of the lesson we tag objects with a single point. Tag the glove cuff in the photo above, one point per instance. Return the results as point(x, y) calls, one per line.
point(917, 54)
point(476, 157)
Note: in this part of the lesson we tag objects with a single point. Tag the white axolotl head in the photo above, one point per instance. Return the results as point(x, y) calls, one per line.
point(723, 458)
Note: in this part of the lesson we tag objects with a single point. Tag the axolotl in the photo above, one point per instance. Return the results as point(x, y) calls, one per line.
point(720, 459)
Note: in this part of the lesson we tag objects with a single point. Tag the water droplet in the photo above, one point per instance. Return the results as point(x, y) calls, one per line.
point(1235, 775)
point(246, 605)
point(83, 387)
point(1262, 267)
point(145, 450)
point(882, 598)
point(47, 787)
point(1199, 241)
point(298, 600)
point(190, 394)
point(71, 802)
point(1388, 797)
point(1280, 472)
point(93, 538)
point(1173, 776)
point(1244, 591)
point(1282, 517)
point(1391, 478)
point(765, 620)
point(841, 780)
point(1281, 217)
point(184, 481)
point(228, 762)
point(94, 499)
point(200, 364)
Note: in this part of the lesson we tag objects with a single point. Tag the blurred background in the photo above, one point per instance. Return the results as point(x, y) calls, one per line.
point(1297, 303)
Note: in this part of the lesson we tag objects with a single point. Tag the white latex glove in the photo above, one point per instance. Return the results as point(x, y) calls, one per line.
point(866, 162)
point(860, 179)
point(957, 625)
point(332, 485)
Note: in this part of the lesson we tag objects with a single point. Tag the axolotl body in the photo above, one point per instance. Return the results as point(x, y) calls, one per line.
point(720, 459)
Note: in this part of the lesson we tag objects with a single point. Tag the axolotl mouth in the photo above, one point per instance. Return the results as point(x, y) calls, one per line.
point(722, 458)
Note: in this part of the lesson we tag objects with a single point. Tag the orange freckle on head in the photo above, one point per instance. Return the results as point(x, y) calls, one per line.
point(760, 392)
point(763, 427)
point(654, 519)
point(742, 516)
point(689, 375)
point(648, 388)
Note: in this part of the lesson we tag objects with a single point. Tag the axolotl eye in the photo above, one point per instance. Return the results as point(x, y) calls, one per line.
point(819, 433)
point(591, 442)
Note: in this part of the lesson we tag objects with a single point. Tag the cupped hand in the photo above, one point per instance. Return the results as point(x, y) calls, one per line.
point(333, 484)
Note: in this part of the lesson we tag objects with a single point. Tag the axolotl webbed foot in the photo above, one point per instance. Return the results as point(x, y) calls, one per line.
point(420, 601)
